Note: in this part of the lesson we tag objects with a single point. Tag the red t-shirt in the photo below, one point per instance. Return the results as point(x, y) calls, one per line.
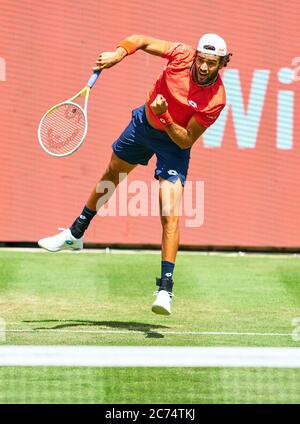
point(185, 97)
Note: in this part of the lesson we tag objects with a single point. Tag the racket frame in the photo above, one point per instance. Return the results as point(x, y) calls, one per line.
point(70, 101)
point(92, 80)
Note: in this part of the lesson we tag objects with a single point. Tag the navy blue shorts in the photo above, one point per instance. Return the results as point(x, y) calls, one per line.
point(139, 142)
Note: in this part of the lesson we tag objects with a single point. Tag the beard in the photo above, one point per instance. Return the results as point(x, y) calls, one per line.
point(203, 80)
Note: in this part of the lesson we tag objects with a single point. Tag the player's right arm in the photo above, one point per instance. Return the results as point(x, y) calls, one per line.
point(133, 42)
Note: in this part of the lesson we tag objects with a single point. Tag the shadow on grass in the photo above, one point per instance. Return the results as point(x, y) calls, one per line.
point(148, 329)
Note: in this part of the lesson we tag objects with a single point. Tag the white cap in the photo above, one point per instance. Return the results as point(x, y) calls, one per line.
point(212, 44)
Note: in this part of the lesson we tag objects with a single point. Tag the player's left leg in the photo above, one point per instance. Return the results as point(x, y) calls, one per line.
point(170, 195)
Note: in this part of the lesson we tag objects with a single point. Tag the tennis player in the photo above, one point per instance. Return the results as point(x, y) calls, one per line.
point(187, 98)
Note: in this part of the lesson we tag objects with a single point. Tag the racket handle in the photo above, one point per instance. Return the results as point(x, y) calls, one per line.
point(93, 79)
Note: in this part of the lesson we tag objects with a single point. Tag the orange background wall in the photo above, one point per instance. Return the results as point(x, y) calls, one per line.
point(47, 50)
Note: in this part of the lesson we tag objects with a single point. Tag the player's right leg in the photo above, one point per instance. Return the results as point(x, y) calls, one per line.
point(130, 149)
point(72, 238)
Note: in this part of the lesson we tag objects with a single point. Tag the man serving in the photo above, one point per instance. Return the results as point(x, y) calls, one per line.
point(187, 97)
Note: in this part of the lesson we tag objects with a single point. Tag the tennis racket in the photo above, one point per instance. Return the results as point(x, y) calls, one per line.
point(63, 128)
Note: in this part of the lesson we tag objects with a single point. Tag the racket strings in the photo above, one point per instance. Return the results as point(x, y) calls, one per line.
point(63, 129)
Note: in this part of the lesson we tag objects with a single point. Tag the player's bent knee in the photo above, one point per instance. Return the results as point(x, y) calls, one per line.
point(166, 211)
point(170, 223)
point(117, 170)
point(112, 175)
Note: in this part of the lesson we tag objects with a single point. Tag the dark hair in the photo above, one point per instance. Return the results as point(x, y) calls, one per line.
point(225, 59)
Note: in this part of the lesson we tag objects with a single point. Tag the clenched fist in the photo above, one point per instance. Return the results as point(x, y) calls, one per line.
point(159, 105)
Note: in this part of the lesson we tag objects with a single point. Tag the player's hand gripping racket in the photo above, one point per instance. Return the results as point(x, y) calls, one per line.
point(63, 128)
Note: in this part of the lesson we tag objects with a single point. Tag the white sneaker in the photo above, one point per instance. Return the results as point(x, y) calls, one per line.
point(163, 302)
point(61, 241)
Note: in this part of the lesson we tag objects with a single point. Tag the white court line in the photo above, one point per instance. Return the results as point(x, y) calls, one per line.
point(109, 250)
point(181, 333)
point(149, 356)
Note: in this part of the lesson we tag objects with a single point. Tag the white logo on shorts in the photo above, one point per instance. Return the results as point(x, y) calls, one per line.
point(172, 172)
point(192, 103)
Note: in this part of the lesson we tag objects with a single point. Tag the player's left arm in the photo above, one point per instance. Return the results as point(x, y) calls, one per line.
point(183, 137)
